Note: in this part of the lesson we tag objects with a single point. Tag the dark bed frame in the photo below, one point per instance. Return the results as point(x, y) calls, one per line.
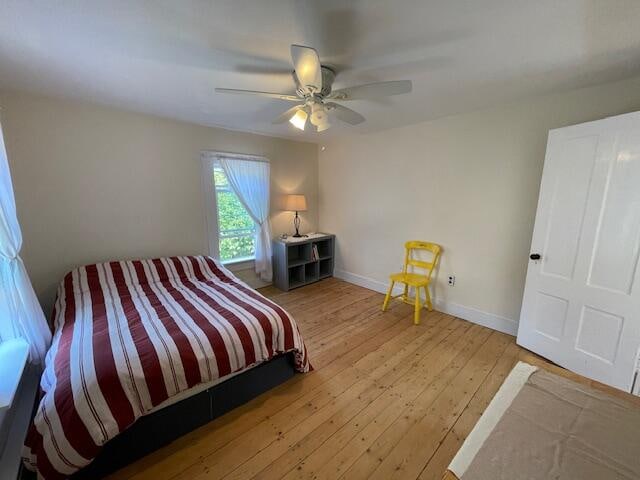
point(160, 428)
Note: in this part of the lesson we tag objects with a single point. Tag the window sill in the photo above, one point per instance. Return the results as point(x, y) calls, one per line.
point(18, 390)
point(13, 358)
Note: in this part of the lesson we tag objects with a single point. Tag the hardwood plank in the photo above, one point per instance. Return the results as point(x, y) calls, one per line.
point(347, 315)
point(407, 462)
point(309, 295)
point(470, 416)
point(390, 405)
point(368, 330)
point(384, 441)
point(395, 368)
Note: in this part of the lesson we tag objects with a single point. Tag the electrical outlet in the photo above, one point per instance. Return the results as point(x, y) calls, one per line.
point(452, 280)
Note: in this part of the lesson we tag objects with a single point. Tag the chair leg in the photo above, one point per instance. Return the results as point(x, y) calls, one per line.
point(405, 296)
point(428, 296)
point(416, 314)
point(388, 297)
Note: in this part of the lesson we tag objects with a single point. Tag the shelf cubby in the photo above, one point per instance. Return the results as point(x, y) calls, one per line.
point(311, 272)
point(325, 267)
point(293, 263)
point(298, 254)
point(297, 276)
point(325, 248)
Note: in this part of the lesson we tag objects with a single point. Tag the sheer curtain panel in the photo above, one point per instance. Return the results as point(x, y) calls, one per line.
point(21, 315)
point(249, 178)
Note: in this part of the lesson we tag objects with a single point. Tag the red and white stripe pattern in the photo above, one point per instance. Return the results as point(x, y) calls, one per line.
point(130, 335)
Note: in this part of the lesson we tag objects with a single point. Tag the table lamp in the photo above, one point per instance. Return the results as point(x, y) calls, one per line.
point(296, 203)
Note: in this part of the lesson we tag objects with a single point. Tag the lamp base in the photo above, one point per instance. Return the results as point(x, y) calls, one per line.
point(296, 224)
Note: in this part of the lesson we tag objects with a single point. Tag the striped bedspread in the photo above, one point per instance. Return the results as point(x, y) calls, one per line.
point(130, 335)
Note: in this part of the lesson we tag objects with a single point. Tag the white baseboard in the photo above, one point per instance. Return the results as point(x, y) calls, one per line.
point(486, 319)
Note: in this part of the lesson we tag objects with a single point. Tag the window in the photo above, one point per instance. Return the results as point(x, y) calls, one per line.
point(236, 229)
point(236, 195)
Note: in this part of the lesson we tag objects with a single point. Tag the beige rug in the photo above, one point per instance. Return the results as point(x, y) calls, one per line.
point(542, 426)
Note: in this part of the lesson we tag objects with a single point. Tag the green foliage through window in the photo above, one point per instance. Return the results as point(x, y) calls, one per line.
point(236, 229)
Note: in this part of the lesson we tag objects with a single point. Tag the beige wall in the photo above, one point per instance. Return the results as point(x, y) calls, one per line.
point(94, 183)
point(468, 182)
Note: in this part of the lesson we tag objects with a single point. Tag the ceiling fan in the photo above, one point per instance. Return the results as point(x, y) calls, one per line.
point(313, 88)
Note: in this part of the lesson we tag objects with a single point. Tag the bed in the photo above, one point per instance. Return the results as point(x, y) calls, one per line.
point(139, 344)
point(545, 422)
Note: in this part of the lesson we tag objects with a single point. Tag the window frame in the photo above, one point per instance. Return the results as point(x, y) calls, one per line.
point(209, 159)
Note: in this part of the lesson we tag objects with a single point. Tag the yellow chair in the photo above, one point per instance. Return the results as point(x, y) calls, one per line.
point(412, 279)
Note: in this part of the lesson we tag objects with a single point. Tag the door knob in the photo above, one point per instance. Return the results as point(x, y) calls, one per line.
point(534, 256)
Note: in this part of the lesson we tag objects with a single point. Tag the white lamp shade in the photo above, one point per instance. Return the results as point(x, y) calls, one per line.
point(295, 203)
point(299, 120)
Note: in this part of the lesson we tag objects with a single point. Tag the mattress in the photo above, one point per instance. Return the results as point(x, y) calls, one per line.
point(134, 336)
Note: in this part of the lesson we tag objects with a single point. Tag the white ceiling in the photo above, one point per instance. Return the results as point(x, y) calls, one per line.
point(165, 57)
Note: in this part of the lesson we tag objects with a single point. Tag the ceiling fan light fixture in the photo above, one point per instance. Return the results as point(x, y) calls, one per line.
point(299, 120)
point(318, 115)
point(314, 85)
point(322, 126)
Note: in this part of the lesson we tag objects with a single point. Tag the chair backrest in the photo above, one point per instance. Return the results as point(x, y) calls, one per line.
point(417, 245)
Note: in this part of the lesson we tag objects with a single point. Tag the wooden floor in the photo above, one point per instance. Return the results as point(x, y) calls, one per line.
point(387, 399)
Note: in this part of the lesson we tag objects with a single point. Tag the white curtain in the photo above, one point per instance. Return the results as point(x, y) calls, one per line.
point(249, 179)
point(21, 315)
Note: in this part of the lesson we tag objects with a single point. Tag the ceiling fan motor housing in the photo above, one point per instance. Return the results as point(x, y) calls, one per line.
point(328, 76)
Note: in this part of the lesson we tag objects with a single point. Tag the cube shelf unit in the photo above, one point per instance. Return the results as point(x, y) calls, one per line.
point(292, 261)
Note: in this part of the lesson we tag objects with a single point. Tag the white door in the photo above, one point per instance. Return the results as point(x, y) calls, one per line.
point(581, 305)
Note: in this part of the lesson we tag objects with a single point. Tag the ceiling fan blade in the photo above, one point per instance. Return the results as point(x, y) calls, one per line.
point(345, 114)
point(306, 63)
point(286, 116)
point(263, 70)
point(280, 96)
point(372, 91)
